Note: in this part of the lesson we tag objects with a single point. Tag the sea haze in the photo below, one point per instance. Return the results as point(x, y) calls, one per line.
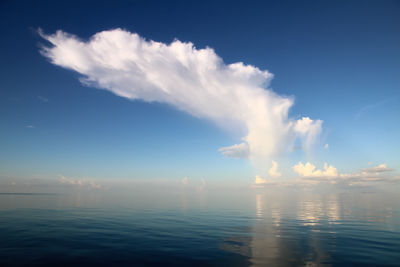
point(198, 226)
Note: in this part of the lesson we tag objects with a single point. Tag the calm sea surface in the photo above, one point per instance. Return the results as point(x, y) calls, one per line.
point(200, 228)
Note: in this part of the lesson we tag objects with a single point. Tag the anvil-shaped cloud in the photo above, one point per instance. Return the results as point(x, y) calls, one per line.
point(196, 81)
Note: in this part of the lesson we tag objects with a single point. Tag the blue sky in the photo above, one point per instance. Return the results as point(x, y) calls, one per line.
point(338, 60)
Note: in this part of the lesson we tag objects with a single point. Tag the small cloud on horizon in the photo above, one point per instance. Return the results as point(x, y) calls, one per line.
point(185, 181)
point(309, 173)
point(259, 181)
point(80, 182)
point(380, 168)
point(273, 172)
point(310, 170)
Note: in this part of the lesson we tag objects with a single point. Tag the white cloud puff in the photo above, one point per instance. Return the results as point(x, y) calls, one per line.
point(273, 172)
point(260, 181)
point(185, 181)
point(197, 81)
point(310, 170)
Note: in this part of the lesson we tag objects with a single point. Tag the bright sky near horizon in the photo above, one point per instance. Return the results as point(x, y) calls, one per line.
point(267, 92)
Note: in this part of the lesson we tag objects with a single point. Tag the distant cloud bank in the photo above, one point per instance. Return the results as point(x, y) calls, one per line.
point(310, 175)
point(197, 81)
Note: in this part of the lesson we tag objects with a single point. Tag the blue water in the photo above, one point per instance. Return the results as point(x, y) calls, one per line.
point(242, 229)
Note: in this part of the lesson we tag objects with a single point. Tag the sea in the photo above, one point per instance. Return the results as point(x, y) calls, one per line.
point(182, 227)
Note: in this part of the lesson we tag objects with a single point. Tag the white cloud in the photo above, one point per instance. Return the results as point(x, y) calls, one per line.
point(71, 181)
point(94, 185)
point(310, 170)
point(308, 130)
point(236, 151)
point(326, 146)
point(197, 81)
point(380, 168)
point(79, 182)
point(260, 181)
point(30, 126)
point(273, 172)
point(310, 174)
point(185, 181)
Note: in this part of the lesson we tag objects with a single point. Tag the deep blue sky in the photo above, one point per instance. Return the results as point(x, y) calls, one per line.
point(339, 59)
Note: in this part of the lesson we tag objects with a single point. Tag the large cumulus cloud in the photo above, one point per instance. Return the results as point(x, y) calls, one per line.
point(197, 81)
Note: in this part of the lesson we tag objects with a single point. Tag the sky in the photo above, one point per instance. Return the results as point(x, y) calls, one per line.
point(261, 92)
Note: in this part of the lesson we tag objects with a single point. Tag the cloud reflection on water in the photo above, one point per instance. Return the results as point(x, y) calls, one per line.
point(261, 227)
point(306, 229)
